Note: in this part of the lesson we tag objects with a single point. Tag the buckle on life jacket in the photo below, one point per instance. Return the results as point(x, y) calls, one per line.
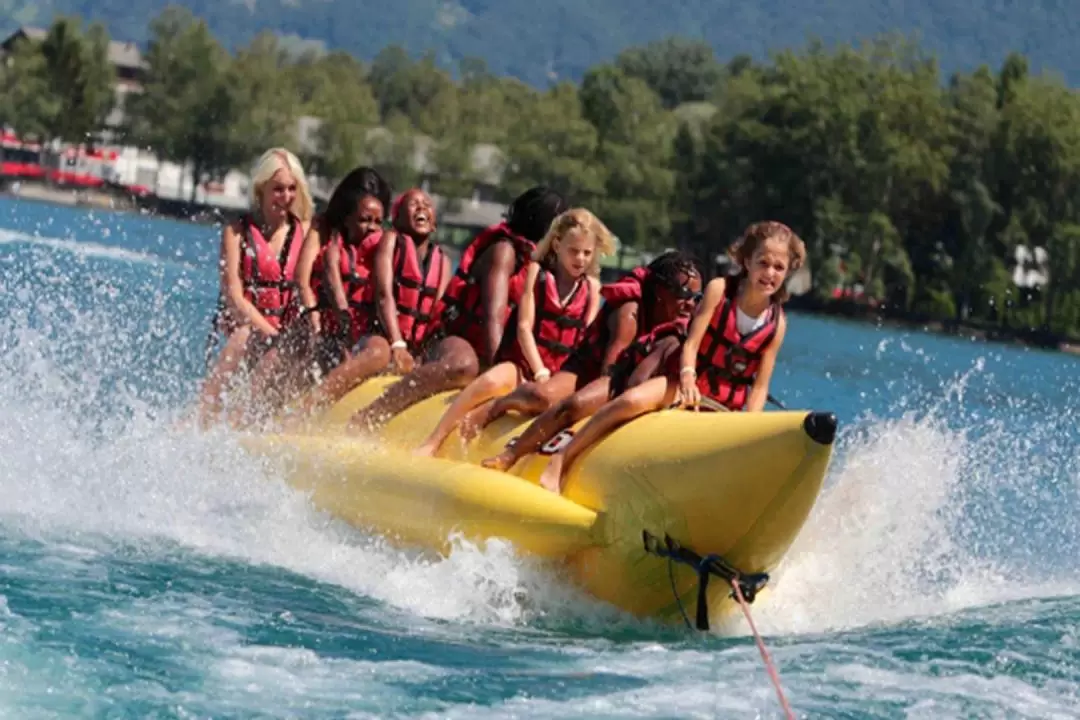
point(749, 584)
point(737, 359)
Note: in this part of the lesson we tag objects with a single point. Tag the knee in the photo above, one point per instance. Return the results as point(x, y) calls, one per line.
point(573, 408)
point(633, 400)
point(488, 384)
point(461, 367)
point(376, 348)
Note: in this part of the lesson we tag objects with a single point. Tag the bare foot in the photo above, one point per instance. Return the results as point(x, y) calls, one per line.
point(502, 462)
point(428, 449)
point(551, 478)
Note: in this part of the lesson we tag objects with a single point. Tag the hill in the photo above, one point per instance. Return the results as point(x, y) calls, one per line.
point(561, 38)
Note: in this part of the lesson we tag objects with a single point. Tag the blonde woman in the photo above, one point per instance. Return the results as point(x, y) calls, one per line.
point(259, 256)
point(560, 300)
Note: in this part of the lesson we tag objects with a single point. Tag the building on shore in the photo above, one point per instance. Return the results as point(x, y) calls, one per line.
point(108, 162)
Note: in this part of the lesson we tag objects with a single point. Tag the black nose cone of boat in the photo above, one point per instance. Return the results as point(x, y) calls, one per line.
point(821, 427)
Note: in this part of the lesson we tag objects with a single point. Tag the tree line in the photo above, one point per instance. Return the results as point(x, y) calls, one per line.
point(913, 192)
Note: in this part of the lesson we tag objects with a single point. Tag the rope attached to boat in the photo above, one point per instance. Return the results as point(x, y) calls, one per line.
point(744, 588)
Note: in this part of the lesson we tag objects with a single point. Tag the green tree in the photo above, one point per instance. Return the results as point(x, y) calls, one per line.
point(391, 149)
point(334, 89)
point(407, 88)
point(79, 73)
point(676, 69)
point(1041, 131)
point(968, 252)
point(186, 110)
point(551, 143)
point(267, 109)
point(78, 70)
point(61, 87)
point(635, 145)
point(26, 103)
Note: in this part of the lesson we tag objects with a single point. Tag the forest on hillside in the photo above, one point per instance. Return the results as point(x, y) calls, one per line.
point(912, 195)
point(562, 39)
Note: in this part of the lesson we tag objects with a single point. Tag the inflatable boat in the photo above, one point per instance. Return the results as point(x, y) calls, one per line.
point(646, 518)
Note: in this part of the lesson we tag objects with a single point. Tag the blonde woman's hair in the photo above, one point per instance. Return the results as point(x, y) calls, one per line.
point(576, 220)
point(264, 169)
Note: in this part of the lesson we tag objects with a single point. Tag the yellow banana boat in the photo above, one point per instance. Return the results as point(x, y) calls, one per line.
point(734, 485)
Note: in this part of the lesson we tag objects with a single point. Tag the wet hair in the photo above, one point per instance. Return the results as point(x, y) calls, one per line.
point(532, 212)
point(579, 220)
point(742, 250)
point(354, 187)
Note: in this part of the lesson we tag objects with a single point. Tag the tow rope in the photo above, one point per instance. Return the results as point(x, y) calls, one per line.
point(744, 589)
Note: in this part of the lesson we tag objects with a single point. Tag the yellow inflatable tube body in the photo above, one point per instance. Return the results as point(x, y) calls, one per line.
point(739, 485)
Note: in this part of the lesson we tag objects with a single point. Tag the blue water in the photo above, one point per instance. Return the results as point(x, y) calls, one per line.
point(151, 572)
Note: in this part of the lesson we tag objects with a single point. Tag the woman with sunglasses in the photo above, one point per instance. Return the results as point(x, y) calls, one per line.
point(637, 329)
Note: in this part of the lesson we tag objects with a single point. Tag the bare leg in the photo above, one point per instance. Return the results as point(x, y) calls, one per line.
point(210, 398)
point(558, 417)
point(497, 381)
point(453, 367)
point(278, 376)
point(370, 356)
point(651, 395)
point(533, 398)
point(476, 420)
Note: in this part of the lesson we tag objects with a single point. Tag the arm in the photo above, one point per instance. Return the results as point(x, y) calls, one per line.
point(689, 395)
point(306, 263)
point(332, 275)
point(494, 294)
point(623, 327)
point(383, 277)
point(444, 280)
point(304, 266)
point(714, 295)
point(759, 393)
point(594, 300)
point(527, 321)
point(234, 286)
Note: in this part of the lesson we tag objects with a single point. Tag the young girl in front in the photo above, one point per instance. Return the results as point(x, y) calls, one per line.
point(561, 299)
point(730, 350)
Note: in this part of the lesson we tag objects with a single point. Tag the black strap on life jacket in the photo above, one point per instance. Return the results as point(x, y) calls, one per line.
point(256, 282)
point(561, 319)
point(420, 316)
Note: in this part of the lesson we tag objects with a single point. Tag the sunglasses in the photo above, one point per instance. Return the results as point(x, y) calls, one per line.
point(684, 293)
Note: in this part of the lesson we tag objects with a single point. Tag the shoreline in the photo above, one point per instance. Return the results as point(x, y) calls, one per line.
point(112, 199)
point(846, 310)
point(115, 199)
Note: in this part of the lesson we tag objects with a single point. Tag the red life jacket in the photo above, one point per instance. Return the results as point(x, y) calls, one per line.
point(463, 314)
point(416, 291)
point(645, 343)
point(558, 328)
point(269, 281)
point(626, 289)
point(355, 264)
point(641, 348)
point(728, 361)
